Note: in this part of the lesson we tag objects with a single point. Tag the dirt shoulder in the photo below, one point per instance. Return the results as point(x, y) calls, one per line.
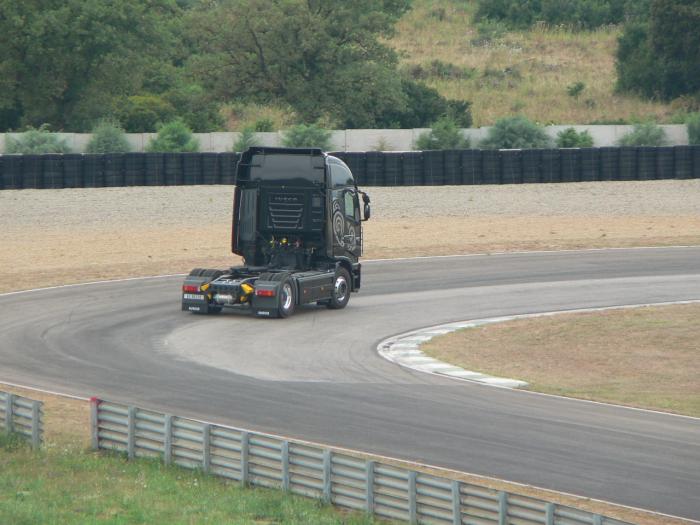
point(642, 357)
point(53, 237)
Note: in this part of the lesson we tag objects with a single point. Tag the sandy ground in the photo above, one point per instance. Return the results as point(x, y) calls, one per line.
point(50, 237)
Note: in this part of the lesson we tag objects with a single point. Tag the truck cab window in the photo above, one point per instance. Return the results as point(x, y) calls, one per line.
point(341, 177)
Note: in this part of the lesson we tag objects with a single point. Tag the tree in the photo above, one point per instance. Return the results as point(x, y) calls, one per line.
point(36, 142)
point(325, 58)
point(68, 62)
point(658, 50)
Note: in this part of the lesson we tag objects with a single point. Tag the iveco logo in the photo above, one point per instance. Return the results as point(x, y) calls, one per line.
point(286, 198)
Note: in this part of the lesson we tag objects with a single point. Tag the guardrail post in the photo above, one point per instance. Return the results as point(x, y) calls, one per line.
point(168, 439)
point(597, 519)
point(412, 510)
point(369, 492)
point(245, 445)
point(285, 465)
point(456, 504)
point(94, 423)
point(36, 425)
point(502, 508)
point(327, 455)
point(131, 433)
point(9, 413)
point(206, 448)
point(549, 514)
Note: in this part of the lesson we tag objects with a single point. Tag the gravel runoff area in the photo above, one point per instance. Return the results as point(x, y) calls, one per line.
point(51, 237)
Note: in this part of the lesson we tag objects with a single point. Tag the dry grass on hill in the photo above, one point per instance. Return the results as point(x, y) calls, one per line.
point(524, 72)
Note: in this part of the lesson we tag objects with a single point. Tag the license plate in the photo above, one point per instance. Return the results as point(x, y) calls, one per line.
point(193, 296)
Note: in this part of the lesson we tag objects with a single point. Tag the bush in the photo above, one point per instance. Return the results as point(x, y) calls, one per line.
point(108, 137)
point(144, 113)
point(646, 134)
point(246, 140)
point(444, 135)
point(579, 14)
point(173, 137)
point(693, 124)
point(515, 133)
point(264, 125)
point(307, 136)
point(570, 138)
point(36, 142)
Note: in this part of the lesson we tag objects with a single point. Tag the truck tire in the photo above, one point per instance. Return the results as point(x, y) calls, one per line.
point(286, 301)
point(340, 295)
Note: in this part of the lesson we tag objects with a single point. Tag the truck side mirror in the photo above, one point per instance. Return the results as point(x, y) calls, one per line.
point(365, 199)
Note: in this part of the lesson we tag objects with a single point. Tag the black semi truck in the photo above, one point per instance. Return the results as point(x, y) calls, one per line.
point(297, 224)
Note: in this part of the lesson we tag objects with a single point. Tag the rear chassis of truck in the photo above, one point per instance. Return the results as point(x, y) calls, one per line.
point(293, 253)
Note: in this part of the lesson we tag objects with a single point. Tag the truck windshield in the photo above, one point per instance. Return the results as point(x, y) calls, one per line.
point(289, 169)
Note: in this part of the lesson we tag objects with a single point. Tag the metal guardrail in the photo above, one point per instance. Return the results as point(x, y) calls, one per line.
point(319, 472)
point(22, 416)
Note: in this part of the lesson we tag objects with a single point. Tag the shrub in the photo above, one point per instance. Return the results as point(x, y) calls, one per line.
point(247, 139)
point(646, 134)
point(444, 135)
point(515, 133)
point(143, 113)
point(575, 89)
point(264, 125)
point(579, 14)
point(693, 124)
point(36, 142)
point(174, 137)
point(307, 136)
point(570, 138)
point(108, 137)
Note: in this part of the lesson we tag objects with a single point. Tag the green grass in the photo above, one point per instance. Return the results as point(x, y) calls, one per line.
point(67, 485)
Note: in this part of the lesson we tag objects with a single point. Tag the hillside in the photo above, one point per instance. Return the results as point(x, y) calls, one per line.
point(505, 72)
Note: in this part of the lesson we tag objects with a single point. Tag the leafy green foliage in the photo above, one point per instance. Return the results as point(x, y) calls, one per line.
point(645, 134)
point(570, 138)
point(693, 124)
point(246, 139)
point(70, 62)
point(108, 137)
point(515, 133)
point(36, 142)
point(658, 51)
point(143, 113)
point(264, 125)
point(307, 136)
point(582, 14)
point(324, 59)
point(574, 90)
point(444, 134)
point(175, 136)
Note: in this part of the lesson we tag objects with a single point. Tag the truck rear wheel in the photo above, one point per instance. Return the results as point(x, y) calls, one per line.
point(340, 295)
point(286, 299)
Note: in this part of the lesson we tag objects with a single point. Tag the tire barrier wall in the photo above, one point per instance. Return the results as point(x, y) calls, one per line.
point(353, 480)
point(411, 168)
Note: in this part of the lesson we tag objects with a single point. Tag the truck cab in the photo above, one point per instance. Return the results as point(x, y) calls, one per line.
point(297, 224)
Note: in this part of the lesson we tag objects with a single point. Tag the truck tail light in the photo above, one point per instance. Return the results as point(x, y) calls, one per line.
point(265, 293)
point(190, 288)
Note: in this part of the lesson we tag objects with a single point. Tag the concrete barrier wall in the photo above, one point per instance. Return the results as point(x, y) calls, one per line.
point(366, 139)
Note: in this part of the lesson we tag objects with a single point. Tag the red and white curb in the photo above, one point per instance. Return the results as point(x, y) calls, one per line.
point(404, 349)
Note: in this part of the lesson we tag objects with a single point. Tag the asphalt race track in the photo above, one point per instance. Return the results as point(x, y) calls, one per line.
point(317, 375)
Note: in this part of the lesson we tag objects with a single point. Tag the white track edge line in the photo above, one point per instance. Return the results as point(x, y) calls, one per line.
point(389, 458)
point(417, 257)
point(531, 316)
